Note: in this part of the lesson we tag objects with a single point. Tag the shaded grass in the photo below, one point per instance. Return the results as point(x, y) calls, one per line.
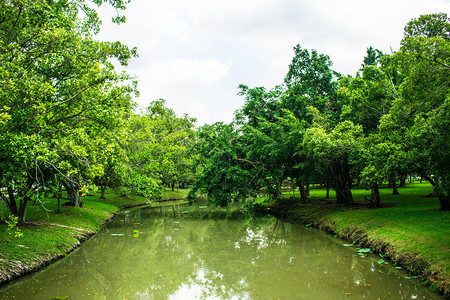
point(409, 228)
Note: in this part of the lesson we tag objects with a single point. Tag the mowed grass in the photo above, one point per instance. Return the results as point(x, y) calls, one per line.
point(410, 225)
point(49, 235)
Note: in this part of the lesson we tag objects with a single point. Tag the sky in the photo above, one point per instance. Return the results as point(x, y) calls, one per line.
point(195, 53)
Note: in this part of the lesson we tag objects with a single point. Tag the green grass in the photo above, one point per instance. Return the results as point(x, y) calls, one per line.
point(169, 195)
point(409, 228)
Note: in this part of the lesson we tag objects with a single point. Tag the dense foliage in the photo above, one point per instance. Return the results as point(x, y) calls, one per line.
point(389, 121)
point(68, 121)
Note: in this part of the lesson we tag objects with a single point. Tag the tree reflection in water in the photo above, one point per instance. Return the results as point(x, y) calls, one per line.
point(148, 254)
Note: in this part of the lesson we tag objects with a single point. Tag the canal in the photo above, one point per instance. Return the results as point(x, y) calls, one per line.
point(146, 253)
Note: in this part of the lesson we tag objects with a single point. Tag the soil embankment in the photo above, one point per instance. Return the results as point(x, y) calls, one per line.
point(396, 232)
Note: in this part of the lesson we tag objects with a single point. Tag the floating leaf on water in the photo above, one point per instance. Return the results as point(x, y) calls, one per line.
point(365, 250)
point(117, 234)
point(398, 268)
point(60, 297)
point(308, 225)
point(380, 261)
point(348, 245)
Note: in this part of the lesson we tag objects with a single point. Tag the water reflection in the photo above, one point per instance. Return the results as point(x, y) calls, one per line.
point(148, 254)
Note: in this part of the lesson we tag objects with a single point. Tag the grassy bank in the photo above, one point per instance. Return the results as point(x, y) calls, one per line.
point(49, 236)
point(409, 229)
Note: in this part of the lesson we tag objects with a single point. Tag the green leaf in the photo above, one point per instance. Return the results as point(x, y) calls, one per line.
point(365, 250)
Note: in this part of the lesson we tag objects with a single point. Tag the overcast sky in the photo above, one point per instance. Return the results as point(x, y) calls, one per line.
point(195, 53)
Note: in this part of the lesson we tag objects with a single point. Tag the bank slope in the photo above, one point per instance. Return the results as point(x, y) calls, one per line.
point(409, 229)
point(49, 236)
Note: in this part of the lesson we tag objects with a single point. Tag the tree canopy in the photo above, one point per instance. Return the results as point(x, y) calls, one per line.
point(388, 121)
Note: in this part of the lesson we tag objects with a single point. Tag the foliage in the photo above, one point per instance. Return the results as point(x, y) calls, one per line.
point(421, 114)
point(12, 229)
point(225, 174)
point(388, 121)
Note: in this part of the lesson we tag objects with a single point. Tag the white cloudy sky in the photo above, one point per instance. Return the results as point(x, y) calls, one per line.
point(195, 53)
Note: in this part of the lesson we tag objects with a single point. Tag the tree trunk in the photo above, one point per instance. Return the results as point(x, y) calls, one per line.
point(73, 193)
point(344, 196)
point(328, 191)
point(301, 187)
point(376, 195)
point(307, 189)
point(173, 186)
point(103, 191)
point(394, 187)
point(23, 209)
point(58, 196)
point(444, 201)
point(343, 182)
point(11, 202)
point(80, 199)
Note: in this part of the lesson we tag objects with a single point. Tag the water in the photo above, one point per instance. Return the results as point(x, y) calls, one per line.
point(143, 255)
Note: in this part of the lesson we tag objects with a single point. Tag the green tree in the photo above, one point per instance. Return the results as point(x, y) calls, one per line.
point(270, 136)
point(335, 150)
point(421, 115)
point(223, 178)
point(57, 86)
point(310, 81)
point(372, 58)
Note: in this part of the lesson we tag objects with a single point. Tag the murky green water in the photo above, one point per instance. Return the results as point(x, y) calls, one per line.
point(142, 255)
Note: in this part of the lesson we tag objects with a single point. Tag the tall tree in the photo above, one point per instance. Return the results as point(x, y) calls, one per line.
point(421, 115)
point(226, 174)
point(372, 57)
point(57, 86)
point(336, 149)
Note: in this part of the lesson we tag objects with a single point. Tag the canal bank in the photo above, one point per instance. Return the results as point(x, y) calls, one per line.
point(409, 230)
point(146, 253)
point(49, 236)
point(398, 231)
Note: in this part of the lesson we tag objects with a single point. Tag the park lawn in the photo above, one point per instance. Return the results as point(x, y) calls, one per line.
point(409, 228)
point(49, 236)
